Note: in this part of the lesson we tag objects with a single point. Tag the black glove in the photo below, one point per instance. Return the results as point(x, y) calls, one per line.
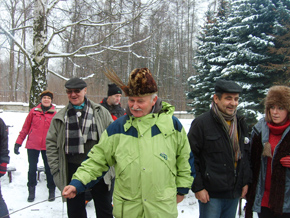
point(16, 148)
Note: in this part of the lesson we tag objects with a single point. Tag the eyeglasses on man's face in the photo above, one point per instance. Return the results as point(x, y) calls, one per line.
point(70, 91)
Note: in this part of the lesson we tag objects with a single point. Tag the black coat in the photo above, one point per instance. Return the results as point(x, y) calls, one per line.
point(115, 110)
point(4, 158)
point(214, 157)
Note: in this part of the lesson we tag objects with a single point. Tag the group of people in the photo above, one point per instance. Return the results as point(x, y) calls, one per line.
point(144, 158)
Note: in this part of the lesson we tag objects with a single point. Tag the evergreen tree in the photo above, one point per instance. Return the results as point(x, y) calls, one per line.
point(247, 33)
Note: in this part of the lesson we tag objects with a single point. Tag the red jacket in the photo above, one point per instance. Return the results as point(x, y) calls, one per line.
point(36, 126)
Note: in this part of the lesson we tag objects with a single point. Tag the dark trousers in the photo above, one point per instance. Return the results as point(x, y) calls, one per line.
point(76, 207)
point(3, 206)
point(267, 213)
point(33, 160)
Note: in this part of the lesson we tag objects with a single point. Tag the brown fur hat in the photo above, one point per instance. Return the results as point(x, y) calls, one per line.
point(141, 83)
point(277, 95)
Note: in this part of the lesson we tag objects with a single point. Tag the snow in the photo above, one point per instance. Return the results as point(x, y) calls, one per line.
point(15, 193)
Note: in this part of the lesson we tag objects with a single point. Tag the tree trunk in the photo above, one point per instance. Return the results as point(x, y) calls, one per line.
point(39, 69)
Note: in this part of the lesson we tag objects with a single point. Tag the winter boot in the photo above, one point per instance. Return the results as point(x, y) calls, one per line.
point(31, 195)
point(51, 194)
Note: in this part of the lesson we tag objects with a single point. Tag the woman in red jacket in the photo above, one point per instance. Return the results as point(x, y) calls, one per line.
point(36, 126)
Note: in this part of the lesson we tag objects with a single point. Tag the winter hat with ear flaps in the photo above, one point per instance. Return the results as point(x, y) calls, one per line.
point(141, 82)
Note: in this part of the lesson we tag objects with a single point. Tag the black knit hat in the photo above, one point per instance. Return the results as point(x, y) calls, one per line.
point(113, 89)
point(46, 93)
point(75, 83)
point(227, 86)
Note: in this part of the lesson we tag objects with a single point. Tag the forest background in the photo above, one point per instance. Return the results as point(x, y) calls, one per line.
point(187, 45)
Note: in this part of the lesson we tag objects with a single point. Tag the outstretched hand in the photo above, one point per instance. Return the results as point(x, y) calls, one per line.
point(69, 191)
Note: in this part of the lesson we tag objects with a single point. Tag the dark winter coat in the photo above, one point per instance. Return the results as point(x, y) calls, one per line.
point(214, 157)
point(115, 110)
point(36, 126)
point(4, 152)
point(280, 180)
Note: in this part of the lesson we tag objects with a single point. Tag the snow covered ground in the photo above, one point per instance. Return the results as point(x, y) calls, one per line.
point(16, 193)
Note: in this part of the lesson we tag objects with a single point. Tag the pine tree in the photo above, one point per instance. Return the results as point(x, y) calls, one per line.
point(247, 33)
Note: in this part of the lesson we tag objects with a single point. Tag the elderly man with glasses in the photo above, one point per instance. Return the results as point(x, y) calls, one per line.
point(72, 133)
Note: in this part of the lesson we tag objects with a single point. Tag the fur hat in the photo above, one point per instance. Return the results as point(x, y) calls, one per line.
point(277, 95)
point(46, 93)
point(113, 89)
point(141, 82)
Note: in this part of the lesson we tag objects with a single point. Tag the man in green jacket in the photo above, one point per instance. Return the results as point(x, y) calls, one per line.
point(150, 152)
point(72, 133)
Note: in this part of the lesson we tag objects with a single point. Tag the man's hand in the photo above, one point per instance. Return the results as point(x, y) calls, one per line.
point(202, 196)
point(179, 198)
point(69, 191)
point(244, 191)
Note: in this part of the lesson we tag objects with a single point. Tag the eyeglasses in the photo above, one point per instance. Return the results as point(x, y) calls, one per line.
point(70, 91)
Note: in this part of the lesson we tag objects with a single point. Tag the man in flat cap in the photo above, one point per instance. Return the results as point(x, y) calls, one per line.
point(220, 145)
point(72, 133)
point(149, 149)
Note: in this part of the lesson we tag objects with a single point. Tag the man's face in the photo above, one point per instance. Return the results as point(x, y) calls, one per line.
point(114, 99)
point(76, 96)
point(141, 106)
point(228, 102)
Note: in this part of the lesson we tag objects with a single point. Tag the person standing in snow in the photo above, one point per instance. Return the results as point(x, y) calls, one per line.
point(220, 145)
point(72, 133)
point(112, 102)
point(35, 127)
point(269, 190)
point(150, 152)
point(4, 160)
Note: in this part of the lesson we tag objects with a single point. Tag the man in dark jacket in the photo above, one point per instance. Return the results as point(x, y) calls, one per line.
point(112, 102)
point(4, 160)
point(220, 145)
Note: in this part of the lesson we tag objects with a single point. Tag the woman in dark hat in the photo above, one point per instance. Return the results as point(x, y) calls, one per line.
point(36, 126)
point(268, 193)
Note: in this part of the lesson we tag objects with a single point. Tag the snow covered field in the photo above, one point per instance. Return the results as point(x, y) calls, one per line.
point(15, 193)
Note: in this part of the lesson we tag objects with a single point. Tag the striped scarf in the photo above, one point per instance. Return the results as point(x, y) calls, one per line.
point(79, 131)
point(231, 129)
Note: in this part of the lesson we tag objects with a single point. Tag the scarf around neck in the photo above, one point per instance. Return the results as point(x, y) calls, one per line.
point(78, 131)
point(232, 129)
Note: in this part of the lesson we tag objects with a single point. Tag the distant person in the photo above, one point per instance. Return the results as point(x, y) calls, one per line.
point(35, 127)
point(269, 192)
point(220, 145)
point(72, 133)
point(112, 102)
point(150, 152)
point(4, 160)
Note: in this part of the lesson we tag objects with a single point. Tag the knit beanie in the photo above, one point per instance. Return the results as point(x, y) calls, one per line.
point(113, 89)
point(46, 93)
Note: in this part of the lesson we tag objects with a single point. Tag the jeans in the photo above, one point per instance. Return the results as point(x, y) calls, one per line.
point(33, 160)
point(3, 206)
point(102, 197)
point(267, 213)
point(218, 208)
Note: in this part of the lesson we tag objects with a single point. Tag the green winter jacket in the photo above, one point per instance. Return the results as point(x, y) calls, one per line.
point(55, 142)
point(151, 159)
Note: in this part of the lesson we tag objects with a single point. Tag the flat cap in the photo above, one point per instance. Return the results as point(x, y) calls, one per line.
point(75, 83)
point(227, 86)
